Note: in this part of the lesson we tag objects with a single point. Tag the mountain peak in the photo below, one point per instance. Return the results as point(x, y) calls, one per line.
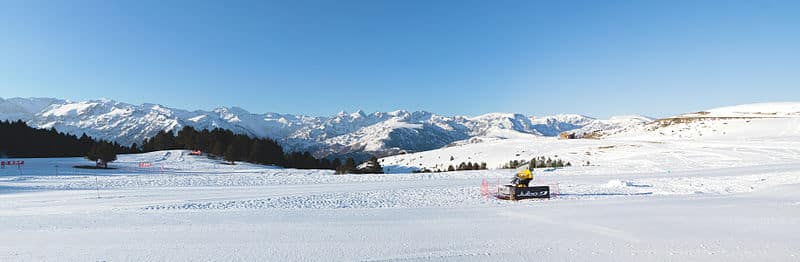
point(358, 114)
point(379, 133)
point(398, 112)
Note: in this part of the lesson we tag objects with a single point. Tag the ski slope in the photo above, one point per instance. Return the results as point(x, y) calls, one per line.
point(189, 208)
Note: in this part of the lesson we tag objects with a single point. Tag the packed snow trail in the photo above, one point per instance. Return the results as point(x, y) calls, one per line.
point(198, 209)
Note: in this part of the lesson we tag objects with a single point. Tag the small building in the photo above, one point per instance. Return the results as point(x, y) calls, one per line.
point(566, 135)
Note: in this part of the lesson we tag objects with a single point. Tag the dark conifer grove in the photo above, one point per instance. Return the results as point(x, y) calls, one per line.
point(234, 147)
point(19, 140)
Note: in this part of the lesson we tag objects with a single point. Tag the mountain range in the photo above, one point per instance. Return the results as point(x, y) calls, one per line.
point(357, 133)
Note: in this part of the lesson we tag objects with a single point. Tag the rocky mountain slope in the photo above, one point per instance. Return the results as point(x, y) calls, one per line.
point(381, 133)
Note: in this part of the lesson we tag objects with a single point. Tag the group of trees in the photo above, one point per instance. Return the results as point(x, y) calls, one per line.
point(547, 162)
point(20, 140)
point(513, 164)
point(460, 167)
point(537, 162)
point(373, 166)
point(235, 147)
point(102, 153)
point(467, 166)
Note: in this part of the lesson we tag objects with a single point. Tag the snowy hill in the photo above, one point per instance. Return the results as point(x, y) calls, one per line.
point(758, 110)
point(381, 133)
point(734, 122)
point(613, 125)
point(756, 132)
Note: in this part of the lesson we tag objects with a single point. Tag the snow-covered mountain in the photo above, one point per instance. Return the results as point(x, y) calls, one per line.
point(381, 133)
point(715, 138)
point(613, 125)
point(747, 120)
point(24, 108)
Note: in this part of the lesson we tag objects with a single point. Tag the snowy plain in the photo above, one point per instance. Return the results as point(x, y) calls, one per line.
point(188, 208)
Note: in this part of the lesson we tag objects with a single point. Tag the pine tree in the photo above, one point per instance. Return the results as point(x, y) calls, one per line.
point(257, 152)
point(451, 168)
point(86, 141)
point(326, 163)
point(107, 154)
point(230, 154)
point(349, 165)
point(219, 149)
point(336, 164)
point(134, 148)
point(102, 153)
point(93, 154)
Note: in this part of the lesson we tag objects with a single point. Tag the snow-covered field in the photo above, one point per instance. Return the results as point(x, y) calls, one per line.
point(721, 201)
point(692, 145)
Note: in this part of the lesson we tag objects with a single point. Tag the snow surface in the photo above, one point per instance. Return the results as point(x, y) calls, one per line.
point(717, 186)
point(774, 109)
point(717, 201)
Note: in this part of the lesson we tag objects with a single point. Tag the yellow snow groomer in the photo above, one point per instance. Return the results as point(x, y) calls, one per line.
point(520, 188)
point(523, 178)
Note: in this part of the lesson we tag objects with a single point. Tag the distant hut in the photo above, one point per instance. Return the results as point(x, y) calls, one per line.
point(566, 135)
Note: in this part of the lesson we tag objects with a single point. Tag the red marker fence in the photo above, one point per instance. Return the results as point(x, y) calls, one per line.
point(485, 188)
point(19, 163)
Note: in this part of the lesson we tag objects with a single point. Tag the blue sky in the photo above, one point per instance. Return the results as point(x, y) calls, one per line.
point(598, 58)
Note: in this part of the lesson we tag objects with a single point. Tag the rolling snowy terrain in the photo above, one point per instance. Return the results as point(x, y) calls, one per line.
point(379, 133)
point(717, 186)
point(759, 132)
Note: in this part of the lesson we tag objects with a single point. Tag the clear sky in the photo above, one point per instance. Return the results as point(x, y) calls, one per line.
point(460, 57)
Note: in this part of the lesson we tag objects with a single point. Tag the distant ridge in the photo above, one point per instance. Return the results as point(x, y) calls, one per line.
point(378, 133)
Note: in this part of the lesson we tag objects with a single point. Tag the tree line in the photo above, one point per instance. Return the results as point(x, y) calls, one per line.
point(467, 166)
point(460, 167)
point(372, 166)
point(537, 162)
point(235, 147)
point(17, 139)
point(22, 141)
